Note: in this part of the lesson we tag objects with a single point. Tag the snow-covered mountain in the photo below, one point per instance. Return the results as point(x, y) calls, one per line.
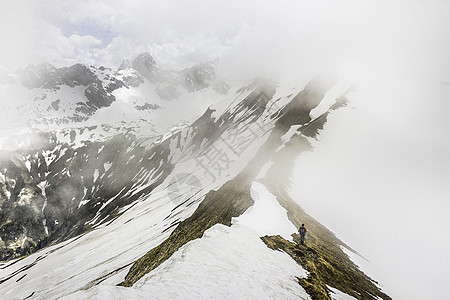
point(43, 97)
point(133, 210)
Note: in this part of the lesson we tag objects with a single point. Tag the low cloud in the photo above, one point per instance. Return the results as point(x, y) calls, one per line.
point(393, 51)
point(253, 37)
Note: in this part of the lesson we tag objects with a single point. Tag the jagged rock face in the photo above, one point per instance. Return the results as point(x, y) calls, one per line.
point(72, 76)
point(146, 66)
point(126, 64)
point(55, 191)
point(192, 79)
point(129, 76)
point(51, 80)
point(71, 94)
point(97, 96)
point(49, 77)
point(199, 76)
point(74, 94)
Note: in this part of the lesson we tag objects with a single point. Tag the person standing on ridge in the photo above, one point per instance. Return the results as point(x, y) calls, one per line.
point(302, 230)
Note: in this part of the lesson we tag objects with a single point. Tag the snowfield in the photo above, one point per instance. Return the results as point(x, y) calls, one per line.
point(266, 216)
point(226, 263)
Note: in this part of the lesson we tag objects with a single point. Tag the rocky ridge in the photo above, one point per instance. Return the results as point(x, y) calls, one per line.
point(61, 185)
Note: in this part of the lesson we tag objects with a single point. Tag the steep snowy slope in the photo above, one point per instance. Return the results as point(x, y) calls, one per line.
point(227, 262)
point(152, 210)
point(75, 132)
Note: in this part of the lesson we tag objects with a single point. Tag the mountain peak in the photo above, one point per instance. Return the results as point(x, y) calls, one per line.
point(35, 76)
point(126, 64)
point(199, 76)
point(146, 65)
point(145, 56)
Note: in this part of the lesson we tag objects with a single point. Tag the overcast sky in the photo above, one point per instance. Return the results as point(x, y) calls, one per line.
point(379, 177)
point(278, 37)
point(394, 51)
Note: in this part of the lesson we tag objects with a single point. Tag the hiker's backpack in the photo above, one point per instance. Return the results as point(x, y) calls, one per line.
point(302, 230)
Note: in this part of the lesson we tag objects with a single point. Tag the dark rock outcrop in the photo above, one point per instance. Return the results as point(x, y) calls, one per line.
point(97, 96)
point(73, 76)
point(52, 191)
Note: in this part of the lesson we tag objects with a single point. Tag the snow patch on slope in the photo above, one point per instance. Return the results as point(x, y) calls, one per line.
point(75, 264)
point(226, 263)
point(266, 216)
point(330, 97)
point(338, 295)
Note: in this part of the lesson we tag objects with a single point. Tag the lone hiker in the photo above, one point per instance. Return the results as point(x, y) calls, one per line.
point(302, 230)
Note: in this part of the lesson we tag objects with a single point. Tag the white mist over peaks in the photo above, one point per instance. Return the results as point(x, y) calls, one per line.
point(378, 177)
point(286, 40)
point(383, 160)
